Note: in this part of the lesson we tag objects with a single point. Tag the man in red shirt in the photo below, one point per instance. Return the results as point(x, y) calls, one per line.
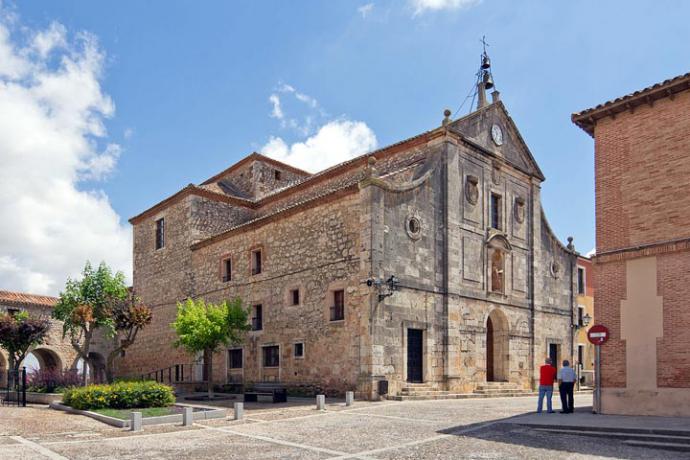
point(547, 375)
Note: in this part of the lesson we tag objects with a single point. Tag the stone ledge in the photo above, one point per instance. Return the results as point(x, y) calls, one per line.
point(208, 413)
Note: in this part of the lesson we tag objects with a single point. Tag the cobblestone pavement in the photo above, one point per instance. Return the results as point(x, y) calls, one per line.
point(476, 429)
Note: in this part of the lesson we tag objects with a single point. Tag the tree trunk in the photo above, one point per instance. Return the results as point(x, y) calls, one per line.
point(209, 372)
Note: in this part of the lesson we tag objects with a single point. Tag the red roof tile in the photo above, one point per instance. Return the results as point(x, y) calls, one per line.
point(22, 298)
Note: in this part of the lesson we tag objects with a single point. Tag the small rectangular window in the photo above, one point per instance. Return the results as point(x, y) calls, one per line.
point(227, 270)
point(496, 211)
point(294, 296)
point(299, 350)
point(272, 356)
point(580, 316)
point(256, 262)
point(257, 319)
point(235, 358)
point(581, 355)
point(580, 280)
point(160, 233)
point(338, 307)
point(13, 311)
point(276, 174)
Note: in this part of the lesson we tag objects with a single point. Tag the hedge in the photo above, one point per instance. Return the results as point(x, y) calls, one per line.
point(119, 395)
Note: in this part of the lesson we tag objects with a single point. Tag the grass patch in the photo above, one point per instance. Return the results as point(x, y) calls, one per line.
point(124, 414)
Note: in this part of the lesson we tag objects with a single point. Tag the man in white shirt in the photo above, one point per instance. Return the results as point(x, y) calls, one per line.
point(566, 384)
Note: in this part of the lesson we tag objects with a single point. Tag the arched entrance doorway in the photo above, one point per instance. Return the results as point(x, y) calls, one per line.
point(497, 347)
point(42, 359)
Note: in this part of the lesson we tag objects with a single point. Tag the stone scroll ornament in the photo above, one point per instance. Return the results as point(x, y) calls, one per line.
point(472, 189)
point(519, 209)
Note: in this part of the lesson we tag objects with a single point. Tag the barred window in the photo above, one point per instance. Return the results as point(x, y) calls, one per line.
point(272, 356)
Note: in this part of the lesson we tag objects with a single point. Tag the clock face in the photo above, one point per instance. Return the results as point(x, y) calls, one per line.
point(497, 134)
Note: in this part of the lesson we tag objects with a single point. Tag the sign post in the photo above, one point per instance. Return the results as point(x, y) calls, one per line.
point(597, 335)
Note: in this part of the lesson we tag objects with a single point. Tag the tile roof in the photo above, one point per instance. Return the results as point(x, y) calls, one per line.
point(586, 119)
point(22, 298)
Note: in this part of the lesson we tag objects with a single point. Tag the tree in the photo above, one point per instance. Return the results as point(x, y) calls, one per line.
point(87, 305)
point(20, 332)
point(203, 327)
point(129, 316)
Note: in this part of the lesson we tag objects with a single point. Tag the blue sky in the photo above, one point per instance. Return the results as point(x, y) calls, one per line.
point(190, 82)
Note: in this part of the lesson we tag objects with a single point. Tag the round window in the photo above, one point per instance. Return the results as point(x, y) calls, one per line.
point(414, 228)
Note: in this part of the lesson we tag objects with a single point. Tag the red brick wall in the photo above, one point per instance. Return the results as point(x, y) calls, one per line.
point(642, 168)
point(643, 196)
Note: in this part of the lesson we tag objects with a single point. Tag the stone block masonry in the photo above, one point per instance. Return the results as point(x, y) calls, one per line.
point(484, 291)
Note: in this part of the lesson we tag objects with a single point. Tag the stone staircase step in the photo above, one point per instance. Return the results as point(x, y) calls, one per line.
point(455, 396)
point(627, 435)
point(678, 447)
point(424, 393)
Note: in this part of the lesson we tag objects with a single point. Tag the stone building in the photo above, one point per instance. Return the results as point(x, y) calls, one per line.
point(642, 262)
point(429, 261)
point(56, 352)
point(584, 316)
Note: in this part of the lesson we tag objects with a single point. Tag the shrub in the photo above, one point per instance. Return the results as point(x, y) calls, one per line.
point(120, 395)
point(52, 380)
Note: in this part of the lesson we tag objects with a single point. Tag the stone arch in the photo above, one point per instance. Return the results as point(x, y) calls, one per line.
point(497, 347)
point(47, 359)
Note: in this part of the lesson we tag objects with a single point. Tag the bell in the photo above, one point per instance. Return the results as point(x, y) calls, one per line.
point(488, 81)
point(486, 62)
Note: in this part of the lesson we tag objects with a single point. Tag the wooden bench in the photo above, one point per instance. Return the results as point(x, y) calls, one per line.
point(277, 391)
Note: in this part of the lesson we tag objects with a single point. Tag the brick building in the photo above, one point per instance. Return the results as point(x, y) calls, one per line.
point(483, 290)
point(642, 266)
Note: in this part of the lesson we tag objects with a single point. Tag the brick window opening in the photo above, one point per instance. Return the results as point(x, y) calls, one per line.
point(299, 350)
point(580, 280)
point(580, 316)
point(160, 233)
point(227, 270)
point(496, 211)
point(257, 318)
point(272, 356)
point(294, 296)
point(277, 174)
point(256, 261)
point(338, 307)
point(235, 358)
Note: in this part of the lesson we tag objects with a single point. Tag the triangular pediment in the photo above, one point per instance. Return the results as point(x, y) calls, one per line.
point(508, 144)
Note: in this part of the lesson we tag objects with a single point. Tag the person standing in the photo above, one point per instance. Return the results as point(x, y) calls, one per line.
point(566, 385)
point(547, 375)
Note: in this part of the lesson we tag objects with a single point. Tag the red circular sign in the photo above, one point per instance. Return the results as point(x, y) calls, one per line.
point(598, 334)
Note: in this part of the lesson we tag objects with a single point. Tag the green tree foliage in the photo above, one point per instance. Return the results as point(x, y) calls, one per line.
point(20, 332)
point(87, 305)
point(203, 327)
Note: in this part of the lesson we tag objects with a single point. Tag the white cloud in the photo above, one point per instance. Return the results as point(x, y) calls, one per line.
point(277, 111)
point(421, 6)
point(52, 138)
point(365, 10)
point(334, 142)
point(591, 253)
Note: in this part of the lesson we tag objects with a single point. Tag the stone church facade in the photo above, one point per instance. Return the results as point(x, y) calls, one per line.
point(426, 261)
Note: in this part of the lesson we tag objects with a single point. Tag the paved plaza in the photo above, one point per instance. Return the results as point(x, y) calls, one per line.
point(478, 429)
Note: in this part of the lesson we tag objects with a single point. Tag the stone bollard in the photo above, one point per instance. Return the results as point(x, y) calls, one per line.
point(349, 398)
point(135, 421)
point(320, 402)
point(239, 411)
point(187, 416)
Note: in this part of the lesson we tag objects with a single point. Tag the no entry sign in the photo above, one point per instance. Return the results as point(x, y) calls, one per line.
point(598, 334)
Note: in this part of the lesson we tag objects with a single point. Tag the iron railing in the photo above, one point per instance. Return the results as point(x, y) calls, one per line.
point(177, 373)
point(13, 383)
